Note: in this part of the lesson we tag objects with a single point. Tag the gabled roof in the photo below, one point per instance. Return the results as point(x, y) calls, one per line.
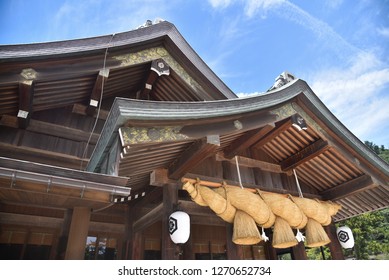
point(52, 91)
point(76, 58)
point(330, 161)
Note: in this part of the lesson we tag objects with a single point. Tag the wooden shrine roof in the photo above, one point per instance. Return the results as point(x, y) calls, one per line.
point(330, 161)
point(65, 105)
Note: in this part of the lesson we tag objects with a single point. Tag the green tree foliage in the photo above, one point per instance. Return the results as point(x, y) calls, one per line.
point(371, 234)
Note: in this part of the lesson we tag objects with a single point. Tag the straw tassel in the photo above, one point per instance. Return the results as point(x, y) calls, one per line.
point(283, 236)
point(245, 230)
point(316, 236)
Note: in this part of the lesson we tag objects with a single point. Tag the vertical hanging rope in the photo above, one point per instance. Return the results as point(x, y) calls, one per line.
point(237, 169)
point(100, 101)
point(297, 183)
point(299, 236)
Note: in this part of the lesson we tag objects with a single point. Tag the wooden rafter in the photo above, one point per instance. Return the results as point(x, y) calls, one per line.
point(196, 153)
point(96, 92)
point(158, 68)
point(351, 187)
point(276, 131)
point(247, 140)
point(26, 96)
point(82, 110)
point(307, 153)
point(295, 120)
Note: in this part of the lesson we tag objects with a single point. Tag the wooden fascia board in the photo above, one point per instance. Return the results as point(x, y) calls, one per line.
point(348, 188)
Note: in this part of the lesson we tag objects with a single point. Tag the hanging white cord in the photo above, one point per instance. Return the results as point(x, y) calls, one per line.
point(100, 101)
point(237, 169)
point(299, 236)
point(298, 184)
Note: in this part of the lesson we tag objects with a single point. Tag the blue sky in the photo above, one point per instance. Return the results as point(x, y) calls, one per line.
point(340, 47)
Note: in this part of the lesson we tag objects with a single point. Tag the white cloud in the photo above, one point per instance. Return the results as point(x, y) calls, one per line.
point(355, 95)
point(101, 17)
point(333, 4)
point(383, 31)
point(252, 7)
point(220, 3)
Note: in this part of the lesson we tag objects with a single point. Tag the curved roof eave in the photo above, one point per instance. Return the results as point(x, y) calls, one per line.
point(124, 110)
point(164, 32)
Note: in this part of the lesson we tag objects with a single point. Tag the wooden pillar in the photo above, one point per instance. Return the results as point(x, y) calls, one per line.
point(298, 252)
point(188, 249)
point(134, 244)
point(63, 238)
point(129, 221)
point(170, 199)
point(270, 251)
point(234, 252)
point(334, 245)
point(26, 239)
point(137, 246)
point(78, 233)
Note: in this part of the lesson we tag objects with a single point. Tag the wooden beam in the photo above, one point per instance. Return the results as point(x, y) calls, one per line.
point(170, 199)
point(280, 127)
point(194, 155)
point(41, 156)
point(135, 135)
point(158, 68)
point(23, 165)
point(351, 187)
point(82, 110)
point(26, 95)
point(234, 251)
point(306, 154)
point(51, 129)
point(217, 182)
point(150, 218)
point(194, 209)
point(252, 163)
point(159, 177)
point(334, 246)
point(95, 96)
point(246, 141)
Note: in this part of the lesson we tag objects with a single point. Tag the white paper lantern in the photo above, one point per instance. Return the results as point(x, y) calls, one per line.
point(345, 237)
point(179, 227)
